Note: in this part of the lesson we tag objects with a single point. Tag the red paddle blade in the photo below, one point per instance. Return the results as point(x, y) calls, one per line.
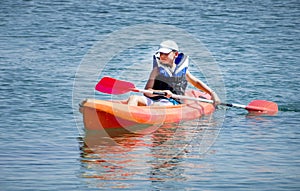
point(113, 86)
point(262, 107)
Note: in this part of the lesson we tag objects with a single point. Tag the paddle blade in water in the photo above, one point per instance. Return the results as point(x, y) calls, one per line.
point(113, 86)
point(262, 107)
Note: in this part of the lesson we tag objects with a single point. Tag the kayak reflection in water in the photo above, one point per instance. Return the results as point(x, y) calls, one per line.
point(170, 75)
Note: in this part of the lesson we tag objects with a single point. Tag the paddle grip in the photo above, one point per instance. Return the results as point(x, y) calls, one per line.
point(227, 104)
point(160, 93)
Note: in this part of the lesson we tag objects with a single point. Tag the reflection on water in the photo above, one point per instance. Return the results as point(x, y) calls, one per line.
point(120, 155)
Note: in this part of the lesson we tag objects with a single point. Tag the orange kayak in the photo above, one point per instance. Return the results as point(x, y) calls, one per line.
point(104, 114)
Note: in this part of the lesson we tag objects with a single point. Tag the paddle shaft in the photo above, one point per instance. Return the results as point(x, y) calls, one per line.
point(247, 107)
point(191, 98)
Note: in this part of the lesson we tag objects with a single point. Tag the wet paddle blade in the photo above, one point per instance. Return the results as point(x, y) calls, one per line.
point(262, 107)
point(113, 86)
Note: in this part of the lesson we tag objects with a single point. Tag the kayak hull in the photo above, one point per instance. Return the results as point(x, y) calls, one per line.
point(107, 114)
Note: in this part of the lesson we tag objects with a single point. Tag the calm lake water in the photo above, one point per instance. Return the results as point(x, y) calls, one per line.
point(46, 48)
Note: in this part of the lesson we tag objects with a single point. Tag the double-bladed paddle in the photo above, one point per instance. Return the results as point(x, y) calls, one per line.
point(113, 86)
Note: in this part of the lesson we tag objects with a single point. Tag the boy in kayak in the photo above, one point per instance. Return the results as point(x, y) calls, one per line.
point(169, 75)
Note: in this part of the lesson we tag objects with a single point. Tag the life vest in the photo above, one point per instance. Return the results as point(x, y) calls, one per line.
point(173, 79)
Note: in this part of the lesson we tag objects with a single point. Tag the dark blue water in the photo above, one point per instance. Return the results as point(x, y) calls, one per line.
point(44, 44)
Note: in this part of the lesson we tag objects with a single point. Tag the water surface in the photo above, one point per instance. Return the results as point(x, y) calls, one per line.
point(256, 45)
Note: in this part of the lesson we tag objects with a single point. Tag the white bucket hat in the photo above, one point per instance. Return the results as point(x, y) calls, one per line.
point(168, 46)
